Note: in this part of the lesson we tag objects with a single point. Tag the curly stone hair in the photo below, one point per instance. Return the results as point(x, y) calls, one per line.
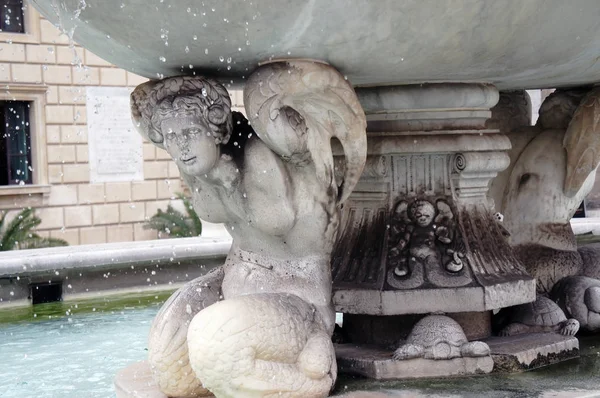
point(155, 101)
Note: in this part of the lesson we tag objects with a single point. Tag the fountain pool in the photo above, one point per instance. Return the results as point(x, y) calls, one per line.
point(74, 349)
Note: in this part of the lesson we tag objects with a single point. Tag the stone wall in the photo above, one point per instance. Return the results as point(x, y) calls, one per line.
point(71, 207)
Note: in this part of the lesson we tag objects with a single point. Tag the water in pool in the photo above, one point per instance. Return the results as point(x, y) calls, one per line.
point(74, 350)
point(62, 350)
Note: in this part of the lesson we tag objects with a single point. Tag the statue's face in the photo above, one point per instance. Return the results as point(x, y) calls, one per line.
point(191, 144)
point(423, 214)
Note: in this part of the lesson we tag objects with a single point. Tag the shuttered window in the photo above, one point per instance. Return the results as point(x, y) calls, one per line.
point(15, 143)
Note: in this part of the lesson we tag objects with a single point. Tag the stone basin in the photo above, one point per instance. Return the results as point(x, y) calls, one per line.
point(512, 44)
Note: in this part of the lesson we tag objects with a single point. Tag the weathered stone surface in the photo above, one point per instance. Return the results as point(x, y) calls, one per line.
point(530, 351)
point(418, 235)
point(265, 325)
point(553, 168)
point(378, 363)
point(374, 43)
point(135, 381)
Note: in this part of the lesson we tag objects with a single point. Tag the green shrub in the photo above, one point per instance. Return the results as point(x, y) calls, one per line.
point(174, 223)
point(20, 233)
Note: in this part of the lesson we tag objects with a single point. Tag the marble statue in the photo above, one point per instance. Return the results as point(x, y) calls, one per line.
point(553, 167)
point(542, 315)
point(262, 325)
point(420, 234)
point(439, 337)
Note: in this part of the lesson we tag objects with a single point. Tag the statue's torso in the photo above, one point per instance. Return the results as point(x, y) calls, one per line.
point(277, 213)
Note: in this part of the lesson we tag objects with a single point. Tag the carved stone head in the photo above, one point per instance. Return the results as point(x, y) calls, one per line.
point(187, 116)
point(422, 213)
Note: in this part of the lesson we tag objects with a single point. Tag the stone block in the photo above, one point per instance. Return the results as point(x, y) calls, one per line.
point(23, 73)
point(92, 235)
point(70, 235)
point(61, 153)
point(67, 55)
point(168, 189)
point(161, 154)
point(377, 363)
point(61, 195)
point(88, 76)
point(80, 114)
point(131, 212)
point(155, 170)
point(105, 214)
point(5, 73)
point(94, 60)
point(52, 217)
point(40, 54)
point(53, 134)
point(78, 216)
point(82, 153)
point(52, 95)
point(59, 114)
point(173, 170)
point(149, 151)
point(71, 95)
point(51, 34)
point(57, 74)
point(118, 191)
point(120, 233)
point(55, 173)
point(134, 80)
point(76, 173)
point(140, 233)
point(532, 350)
point(72, 134)
point(113, 77)
point(143, 190)
point(90, 193)
point(12, 52)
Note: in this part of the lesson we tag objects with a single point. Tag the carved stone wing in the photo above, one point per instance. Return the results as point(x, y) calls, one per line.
point(297, 107)
point(582, 143)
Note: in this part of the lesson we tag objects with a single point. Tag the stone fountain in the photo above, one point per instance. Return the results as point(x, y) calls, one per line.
point(360, 184)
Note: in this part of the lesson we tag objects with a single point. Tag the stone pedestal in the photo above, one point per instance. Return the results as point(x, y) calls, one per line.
point(418, 234)
point(530, 351)
point(377, 363)
point(427, 144)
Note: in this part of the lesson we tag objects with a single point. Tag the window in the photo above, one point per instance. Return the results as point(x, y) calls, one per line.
point(11, 16)
point(23, 165)
point(19, 22)
point(15, 143)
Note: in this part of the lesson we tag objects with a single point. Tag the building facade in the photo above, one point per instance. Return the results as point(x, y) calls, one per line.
point(45, 81)
point(45, 84)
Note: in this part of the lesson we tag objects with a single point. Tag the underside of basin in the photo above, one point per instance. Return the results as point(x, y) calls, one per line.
point(512, 44)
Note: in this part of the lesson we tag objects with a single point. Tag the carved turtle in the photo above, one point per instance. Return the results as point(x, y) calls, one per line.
point(542, 315)
point(439, 337)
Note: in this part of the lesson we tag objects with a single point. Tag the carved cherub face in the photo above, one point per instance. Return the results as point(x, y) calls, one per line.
point(422, 213)
point(190, 142)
